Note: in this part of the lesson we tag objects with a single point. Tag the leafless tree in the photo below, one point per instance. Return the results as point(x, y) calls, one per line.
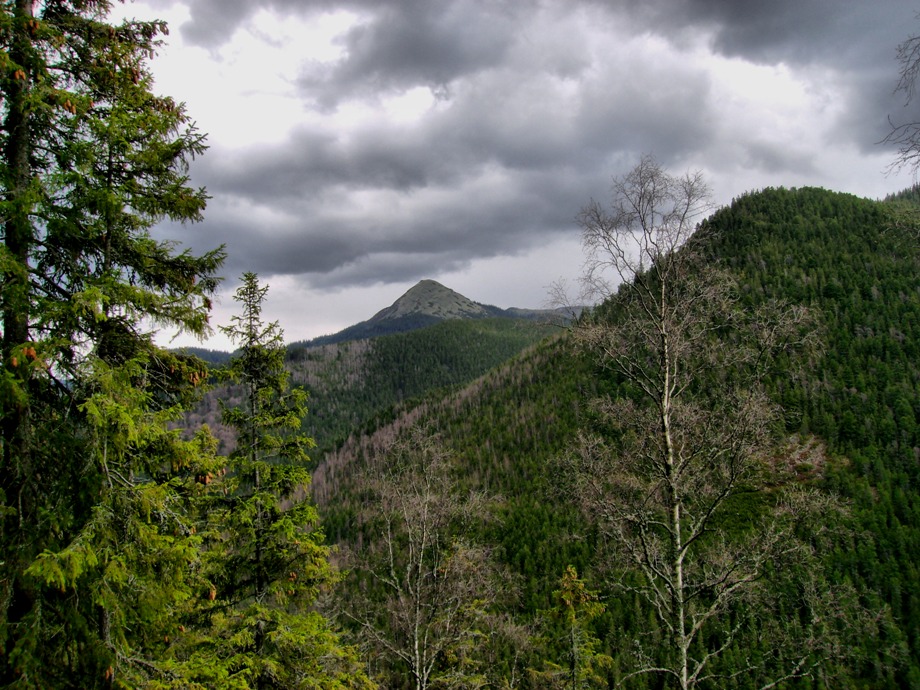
point(688, 440)
point(906, 135)
point(425, 588)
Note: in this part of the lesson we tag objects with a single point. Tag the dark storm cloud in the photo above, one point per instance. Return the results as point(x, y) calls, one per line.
point(793, 31)
point(398, 44)
point(416, 37)
point(408, 44)
point(404, 43)
point(311, 165)
point(540, 103)
point(329, 244)
point(502, 168)
point(352, 226)
point(856, 37)
point(428, 37)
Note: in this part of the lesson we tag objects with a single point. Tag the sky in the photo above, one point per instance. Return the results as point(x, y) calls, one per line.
point(359, 146)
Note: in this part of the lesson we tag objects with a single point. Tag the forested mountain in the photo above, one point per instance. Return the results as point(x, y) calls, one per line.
point(709, 480)
point(855, 410)
point(212, 357)
point(352, 383)
point(425, 304)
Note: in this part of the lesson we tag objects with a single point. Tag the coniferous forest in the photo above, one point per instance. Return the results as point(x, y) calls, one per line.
point(709, 479)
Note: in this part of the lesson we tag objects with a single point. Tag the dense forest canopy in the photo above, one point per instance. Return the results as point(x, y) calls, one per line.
point(105, 578)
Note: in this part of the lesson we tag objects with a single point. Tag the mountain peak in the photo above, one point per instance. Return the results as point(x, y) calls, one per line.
point(430, 298)
point(424, 304)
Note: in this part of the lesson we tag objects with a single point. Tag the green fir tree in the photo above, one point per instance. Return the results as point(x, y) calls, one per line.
point(95, 546)
point(258, 626)
point(582, 664)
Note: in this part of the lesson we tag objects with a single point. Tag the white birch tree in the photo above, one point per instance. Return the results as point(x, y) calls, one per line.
point(682, 483)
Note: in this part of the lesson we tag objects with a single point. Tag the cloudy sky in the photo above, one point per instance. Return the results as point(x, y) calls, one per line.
point(358, 146)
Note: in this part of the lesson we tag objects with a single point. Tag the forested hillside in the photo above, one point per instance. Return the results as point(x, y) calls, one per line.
point(842, 255)
point(855, 408)
point(352, 383)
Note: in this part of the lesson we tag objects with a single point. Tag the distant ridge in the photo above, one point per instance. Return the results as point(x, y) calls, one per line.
point(424, 304)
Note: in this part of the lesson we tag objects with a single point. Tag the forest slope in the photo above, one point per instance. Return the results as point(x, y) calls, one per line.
point(351, 383)
point(835, 253)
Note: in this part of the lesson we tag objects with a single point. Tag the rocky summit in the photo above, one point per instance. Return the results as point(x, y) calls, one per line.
point(430, 298)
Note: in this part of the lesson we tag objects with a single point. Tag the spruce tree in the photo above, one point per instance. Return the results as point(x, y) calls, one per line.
point(265, 558)
point(95, 547)
point(581, 663)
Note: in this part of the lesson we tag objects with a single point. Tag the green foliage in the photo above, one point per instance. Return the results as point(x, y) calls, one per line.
point(95, 545)
point(108, 587)
point(844, 256)
point(362, 381)
point(264, 558)
point(685, 435)
point(504, 428)
point(582, 664)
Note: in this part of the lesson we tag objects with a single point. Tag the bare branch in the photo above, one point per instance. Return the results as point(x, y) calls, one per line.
point(906, 136)
point(438, 587)
point(694, 436)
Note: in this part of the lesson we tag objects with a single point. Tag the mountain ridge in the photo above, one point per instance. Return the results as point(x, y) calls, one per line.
point(431, 298)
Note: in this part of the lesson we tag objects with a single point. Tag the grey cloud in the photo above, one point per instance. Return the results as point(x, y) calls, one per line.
point(402, 29)
point(425, 39)
point(766, 156)
point(214, 21)
point(387, 268)
point(313, 166)
point(870, 103)
point(425, 43)
point(405, 43)
point(505, 166)
point(643, 108)
point(534, 126)
point(851, 41)
point(513, 119)
point(331, 245)
point(851, 37)
point(279, 246)
point(831, 32)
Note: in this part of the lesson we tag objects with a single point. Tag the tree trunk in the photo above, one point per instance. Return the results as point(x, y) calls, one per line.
point(15, 470)
point(18, 240)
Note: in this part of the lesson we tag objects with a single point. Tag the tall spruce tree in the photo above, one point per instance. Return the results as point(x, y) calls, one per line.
point(265, 558)
point(95, 549)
